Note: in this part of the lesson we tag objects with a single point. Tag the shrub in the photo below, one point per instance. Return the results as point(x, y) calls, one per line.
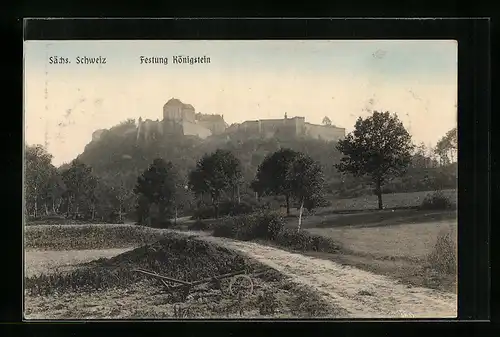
point(305, 241)
point(225, 209)
point(237, 227)
point(269, 225)
point(443, 257)
point(265, 225)
point(157, 223)
point(198, 225)
point(436, 201)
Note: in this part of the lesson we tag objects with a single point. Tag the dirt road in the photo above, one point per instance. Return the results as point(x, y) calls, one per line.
point(362, 294)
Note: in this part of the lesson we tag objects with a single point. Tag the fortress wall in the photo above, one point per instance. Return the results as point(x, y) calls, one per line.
point(270, 126)
point(193, 129)
point(251, 126)
point(215, 126)
point(329, 133)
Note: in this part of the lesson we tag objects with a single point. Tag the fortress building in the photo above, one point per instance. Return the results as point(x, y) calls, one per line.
point(288, 127)
point(180, 119)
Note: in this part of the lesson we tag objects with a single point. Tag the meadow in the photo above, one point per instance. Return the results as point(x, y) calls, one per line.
point(84, 270)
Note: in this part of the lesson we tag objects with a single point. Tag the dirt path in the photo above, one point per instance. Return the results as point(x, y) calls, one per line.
point(362, 294)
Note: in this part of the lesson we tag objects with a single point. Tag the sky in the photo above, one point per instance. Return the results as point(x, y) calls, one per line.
point(342, 79)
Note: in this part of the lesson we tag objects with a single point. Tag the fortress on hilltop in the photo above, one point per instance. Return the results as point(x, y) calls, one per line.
point(180, 119)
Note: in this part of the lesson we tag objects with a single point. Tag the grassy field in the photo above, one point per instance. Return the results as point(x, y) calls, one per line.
point(370, 202)
point(407, 241)
point(400, 251)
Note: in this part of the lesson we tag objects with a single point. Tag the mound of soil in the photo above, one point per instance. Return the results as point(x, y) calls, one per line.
point(175, 256)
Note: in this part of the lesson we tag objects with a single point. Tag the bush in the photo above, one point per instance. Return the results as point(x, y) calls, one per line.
point(265, 225)
point(198, 225)
point(436, 201)
point(443, 257)
point(157, 223)
point(237, 227)
point(225, 209)
point(271, 226)
point(305, 241)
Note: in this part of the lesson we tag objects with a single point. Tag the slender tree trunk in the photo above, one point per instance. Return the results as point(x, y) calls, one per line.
point(216, 207)
point(36, 205)
point(287, 197)
point(54, 206)
point(238, 192)
point(120, 211)
point(300, 214)
point(378, 191)
point(58, 207)
point(68, 207)
point(257, 196)
point(93, 212)
point(46, 209)
point(175, 219)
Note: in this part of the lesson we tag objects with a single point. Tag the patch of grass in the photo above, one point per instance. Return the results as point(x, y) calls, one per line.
point(443, 257)
point(89, 236)
point(304, 241)
point(309, 304)
point(390, 201)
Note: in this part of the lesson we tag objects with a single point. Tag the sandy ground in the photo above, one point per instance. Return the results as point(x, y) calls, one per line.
point(37, 261)
point(362, 294)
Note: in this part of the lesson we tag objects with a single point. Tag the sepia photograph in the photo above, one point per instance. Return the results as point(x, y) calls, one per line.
point(240, 179)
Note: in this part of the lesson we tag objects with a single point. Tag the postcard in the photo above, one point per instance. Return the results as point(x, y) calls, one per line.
point(256, 179)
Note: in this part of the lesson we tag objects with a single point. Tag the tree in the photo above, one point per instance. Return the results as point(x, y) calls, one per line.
point(419, 157)
point(447, 147)
point(215, 173)
point(327, 121)
point(157, 185)
point(54, 192)
point(272, 175)
point(38, 171)
point(306, 182)
point(379, 147)
point(80, 184)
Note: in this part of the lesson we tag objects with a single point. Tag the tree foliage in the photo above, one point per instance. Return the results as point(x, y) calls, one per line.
point(157, 186)
point(326, 121)
point(379, 147)
point(447, 147)
point(273, 177)
point(80, 187)
point(306, 182)
point(214, 174)
point(39, 177)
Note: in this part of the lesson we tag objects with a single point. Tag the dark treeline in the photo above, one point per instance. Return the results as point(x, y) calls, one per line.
point(119, 177)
